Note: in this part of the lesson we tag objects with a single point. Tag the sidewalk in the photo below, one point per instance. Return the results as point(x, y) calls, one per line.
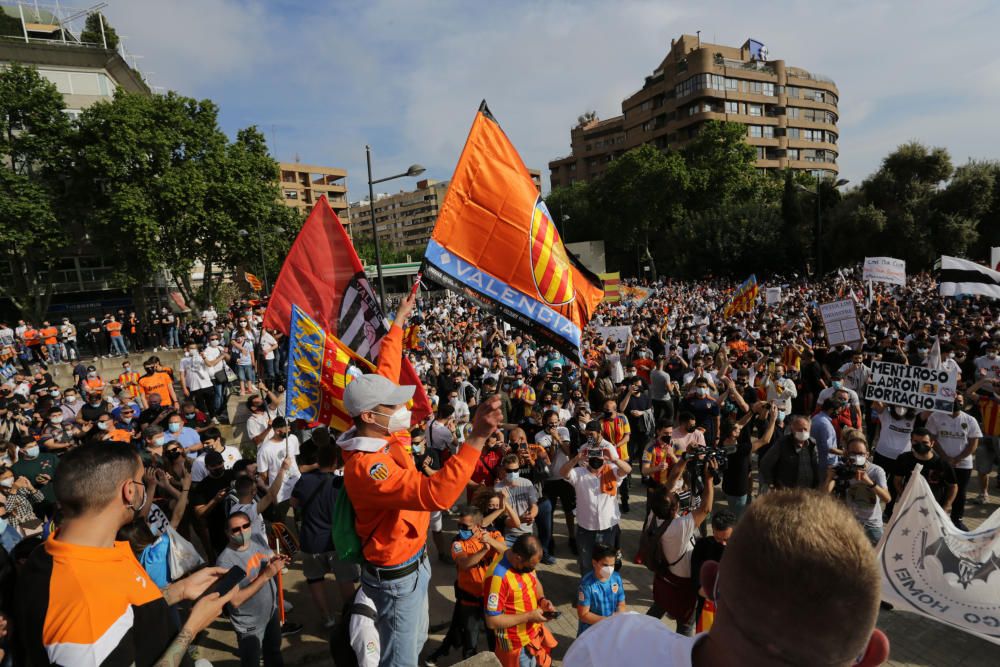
point(916, 641)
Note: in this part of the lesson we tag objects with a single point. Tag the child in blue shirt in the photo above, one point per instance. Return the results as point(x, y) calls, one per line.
point(602, 593)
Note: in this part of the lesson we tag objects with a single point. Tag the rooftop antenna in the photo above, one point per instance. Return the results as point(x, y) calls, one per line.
point(699, 38)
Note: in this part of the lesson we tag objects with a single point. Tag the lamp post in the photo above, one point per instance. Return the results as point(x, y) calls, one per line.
point(819, 218)
point(260, 243)
point(414, 170)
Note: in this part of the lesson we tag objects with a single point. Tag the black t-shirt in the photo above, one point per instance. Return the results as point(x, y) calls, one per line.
point(202, 493)
point(939, 475)
point(316, 493)
point(811, 375)
point(90, 413)
point(705, 549)
point(735, 480)
point(641, 403)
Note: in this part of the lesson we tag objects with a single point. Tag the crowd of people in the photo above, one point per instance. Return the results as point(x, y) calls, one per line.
point(711, 431)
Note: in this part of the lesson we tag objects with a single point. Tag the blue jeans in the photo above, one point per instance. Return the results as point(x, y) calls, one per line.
point(172, 339)
point(544, 523)
point(118, 345)
point(402, 614)
point(737, 504)
point(585, 541)
point(873, 533)
point(220, 399)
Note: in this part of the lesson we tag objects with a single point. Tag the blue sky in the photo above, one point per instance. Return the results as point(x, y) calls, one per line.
point(322, 79)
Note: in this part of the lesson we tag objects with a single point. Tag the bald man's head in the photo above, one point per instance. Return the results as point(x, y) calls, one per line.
point(799, 566)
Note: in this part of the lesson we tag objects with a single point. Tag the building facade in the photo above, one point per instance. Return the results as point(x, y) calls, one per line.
point(790, 114)
point(303, 184)
point(406, 219)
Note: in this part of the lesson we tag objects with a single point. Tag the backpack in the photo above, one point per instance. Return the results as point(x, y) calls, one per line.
point(343, 529)
point(340, 636)
point(650, 552)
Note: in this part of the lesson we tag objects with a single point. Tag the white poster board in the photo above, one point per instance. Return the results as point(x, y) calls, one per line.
point(620, 334)
point(885, 270)
point(840, 319)
point(911, 386)
point(772, 296)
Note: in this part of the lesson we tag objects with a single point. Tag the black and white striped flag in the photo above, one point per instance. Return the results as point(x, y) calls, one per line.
point(361, 324)
point(960, 276)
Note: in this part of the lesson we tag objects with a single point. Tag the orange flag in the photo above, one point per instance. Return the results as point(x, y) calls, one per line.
point(254, 281)
point(495, 241)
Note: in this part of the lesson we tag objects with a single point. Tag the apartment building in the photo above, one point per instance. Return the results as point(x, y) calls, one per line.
point(303, 184)
point(790, 113)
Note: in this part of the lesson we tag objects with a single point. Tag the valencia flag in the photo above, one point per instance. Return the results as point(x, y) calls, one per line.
point(495, 241)
point(253, 281)
point(317, 374)
point(323, 276)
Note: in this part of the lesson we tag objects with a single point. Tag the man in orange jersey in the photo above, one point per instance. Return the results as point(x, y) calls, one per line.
point(50, 337)
point(114, 329)
point(516, 607)
point(393, 500)
point(83, 597)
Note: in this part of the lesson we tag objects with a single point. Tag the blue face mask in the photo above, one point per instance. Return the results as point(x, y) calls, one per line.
point(781, 415)
point(511, 476)
point(174, 427)
point(3, 524)
point(465, 534)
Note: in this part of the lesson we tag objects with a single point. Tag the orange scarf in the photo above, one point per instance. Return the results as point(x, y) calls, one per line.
point(609, 480)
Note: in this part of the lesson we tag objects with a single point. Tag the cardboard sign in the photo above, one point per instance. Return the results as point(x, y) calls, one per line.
point(911, 386)
point(772, 296)
point(885, 270)
point(840, 319)
point(620, 334)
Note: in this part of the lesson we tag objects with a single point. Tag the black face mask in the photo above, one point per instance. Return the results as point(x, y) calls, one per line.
point(666, 439)
point(173, 454)
point(921, 447)
point(595, 462)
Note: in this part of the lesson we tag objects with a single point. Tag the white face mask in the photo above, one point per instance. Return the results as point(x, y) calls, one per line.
point(606, 572)
point(858, 459)
point(7, 482)
point(801, 436)
point(398, 420)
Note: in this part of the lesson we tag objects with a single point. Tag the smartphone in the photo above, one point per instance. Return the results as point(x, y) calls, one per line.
point(227, 582)
point(552, 615)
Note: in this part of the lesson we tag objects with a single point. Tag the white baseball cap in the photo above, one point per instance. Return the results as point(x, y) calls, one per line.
point(370, 391)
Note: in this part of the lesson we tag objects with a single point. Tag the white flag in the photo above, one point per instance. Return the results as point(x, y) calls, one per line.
point(932, 568)
point(934, 357)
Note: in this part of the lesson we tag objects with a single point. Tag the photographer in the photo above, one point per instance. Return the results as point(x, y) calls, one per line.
point(674, 591)
point(861, 484)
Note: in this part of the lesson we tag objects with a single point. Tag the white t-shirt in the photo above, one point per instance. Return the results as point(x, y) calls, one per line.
point(595, 510)
point(677, 543)
point(269, 457)
point(230, 455)
point(556, 455)
point(631, 639)
point(894, 434)
point(987, 367)
point(197, 374)
point(954, 433)
point(257, 423)
point(267, 340)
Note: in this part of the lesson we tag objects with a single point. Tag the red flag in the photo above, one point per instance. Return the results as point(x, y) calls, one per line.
point(323, 276)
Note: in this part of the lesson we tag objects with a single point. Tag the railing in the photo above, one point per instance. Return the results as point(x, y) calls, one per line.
point(752, 65)
point(802, 74)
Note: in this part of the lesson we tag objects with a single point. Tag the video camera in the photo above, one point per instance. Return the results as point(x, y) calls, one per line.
point(698, 458)
point(844, 471)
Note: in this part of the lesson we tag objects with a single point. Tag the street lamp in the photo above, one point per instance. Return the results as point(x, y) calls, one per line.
point(819, 218)
point(414, 170)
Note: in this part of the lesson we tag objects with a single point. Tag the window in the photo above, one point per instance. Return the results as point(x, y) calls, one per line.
point(768, 89)
point(291, 194)
point(732, 107)
point(768, 131)
point(793, 91)
point(755, 110)
point(793, 133)
point(760, 152)
point(732, 84)
point(755, 130)
point(792, 153)
point(792, 112)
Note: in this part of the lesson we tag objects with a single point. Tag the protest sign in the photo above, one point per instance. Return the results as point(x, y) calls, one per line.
point(885, 270)
point(772, 296)
point(911, 386)
point(615, 333)
point(840, 319)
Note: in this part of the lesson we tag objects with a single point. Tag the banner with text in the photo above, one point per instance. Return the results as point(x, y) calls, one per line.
point(772, 295)
point(911, 386)
point(840, 319)
point(615, 333)
point(885, 270)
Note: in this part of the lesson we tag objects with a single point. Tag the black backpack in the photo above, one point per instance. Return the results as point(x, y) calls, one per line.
point(340, 636)
point(650, 551)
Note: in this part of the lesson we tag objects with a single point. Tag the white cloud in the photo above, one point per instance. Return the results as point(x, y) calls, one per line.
point(408, 76)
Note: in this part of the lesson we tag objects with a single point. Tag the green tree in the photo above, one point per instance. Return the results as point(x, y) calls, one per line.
point(735, 239)
point(10, 26)
point(92, 31)
point(34, 132)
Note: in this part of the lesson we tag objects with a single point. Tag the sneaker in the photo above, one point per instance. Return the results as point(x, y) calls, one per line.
point(290, 628)
point(549, 559)
point(431, 661)
point(981, 499)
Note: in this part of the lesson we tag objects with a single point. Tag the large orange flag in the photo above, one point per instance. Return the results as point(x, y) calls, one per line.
point(323, 276)
point(496, 242)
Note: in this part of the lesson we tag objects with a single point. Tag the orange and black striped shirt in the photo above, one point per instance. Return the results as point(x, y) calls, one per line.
point(89, 606)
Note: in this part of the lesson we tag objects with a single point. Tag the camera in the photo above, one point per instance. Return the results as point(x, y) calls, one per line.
point(845, 471)
point(698, 458)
